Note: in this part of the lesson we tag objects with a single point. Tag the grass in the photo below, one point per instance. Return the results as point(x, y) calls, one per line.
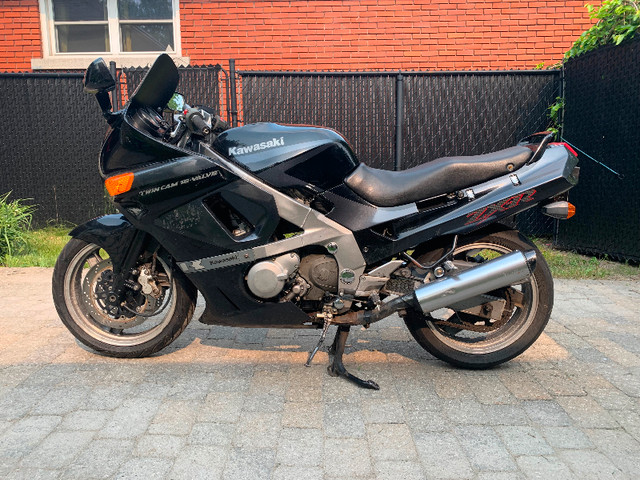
point(565, 264)
point(43, 247)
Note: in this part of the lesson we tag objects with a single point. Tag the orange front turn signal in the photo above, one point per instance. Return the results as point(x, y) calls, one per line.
point(571, 211)
point(119, 183)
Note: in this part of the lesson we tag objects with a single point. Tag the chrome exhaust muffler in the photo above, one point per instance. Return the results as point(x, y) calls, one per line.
point(498, 273)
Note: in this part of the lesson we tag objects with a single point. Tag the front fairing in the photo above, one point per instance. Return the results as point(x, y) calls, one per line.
point(128, 144)
point(126, 148)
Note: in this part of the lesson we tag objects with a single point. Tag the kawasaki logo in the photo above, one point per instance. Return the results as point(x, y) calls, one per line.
point(276, 142)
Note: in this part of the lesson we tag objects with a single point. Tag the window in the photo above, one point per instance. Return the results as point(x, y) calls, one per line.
point(131, 32)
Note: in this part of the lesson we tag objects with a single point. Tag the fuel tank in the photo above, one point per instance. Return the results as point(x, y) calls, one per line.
point(287, 156)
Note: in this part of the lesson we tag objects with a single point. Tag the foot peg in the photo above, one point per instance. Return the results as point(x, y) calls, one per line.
point(336, 367)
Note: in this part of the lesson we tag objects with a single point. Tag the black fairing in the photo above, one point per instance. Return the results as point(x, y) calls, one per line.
point(126, 147)
point(133, 139)
point(183, 200)
point(287, 156)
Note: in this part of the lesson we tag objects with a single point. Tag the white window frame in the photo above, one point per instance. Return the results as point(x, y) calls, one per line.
point(71, 60)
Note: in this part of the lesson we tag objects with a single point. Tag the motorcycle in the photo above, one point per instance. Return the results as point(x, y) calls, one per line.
point(282, 227)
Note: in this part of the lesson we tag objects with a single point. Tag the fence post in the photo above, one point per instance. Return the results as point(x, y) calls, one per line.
point(397, 161)
point(232, 87)
point(115, 95)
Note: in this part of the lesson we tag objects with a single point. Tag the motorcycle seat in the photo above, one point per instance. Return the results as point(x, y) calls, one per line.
point(386, 188)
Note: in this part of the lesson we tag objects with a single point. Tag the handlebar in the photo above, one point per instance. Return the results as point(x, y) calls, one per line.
point(195, 121)
point(200, 124)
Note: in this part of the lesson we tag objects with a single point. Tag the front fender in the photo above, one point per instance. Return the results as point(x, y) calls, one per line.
point(113, 233)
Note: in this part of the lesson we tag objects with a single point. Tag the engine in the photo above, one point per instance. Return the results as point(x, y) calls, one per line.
point(288, 277)
point(321, 271)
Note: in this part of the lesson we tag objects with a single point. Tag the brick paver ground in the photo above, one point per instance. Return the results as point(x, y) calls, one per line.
point(239, 404)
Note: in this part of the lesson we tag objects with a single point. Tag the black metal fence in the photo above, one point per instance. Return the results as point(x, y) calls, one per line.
point(51, 135)
point(470, 113)
point(361, 106)
point(602, 118)
point(440, 113)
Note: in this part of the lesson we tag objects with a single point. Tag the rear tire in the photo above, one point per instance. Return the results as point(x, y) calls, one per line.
point(73, 296)
point(477, 350)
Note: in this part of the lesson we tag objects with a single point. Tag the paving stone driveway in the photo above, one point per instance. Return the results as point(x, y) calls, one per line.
point(239, 404)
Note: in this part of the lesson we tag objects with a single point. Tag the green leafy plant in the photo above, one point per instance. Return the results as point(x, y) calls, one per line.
point(618, 20)
point(15, 221)
point(555, 115)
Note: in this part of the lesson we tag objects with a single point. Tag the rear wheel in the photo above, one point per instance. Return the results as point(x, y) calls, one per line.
point(501, 329)
point(145, 323)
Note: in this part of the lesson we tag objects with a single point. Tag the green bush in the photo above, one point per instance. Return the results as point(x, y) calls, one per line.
point(15, 221)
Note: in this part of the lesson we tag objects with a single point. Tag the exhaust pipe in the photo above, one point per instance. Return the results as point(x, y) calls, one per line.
point(497, 273)
point(500, 272)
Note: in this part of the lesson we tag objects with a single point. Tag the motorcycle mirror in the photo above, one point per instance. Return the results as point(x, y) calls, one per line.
point(176, 104)
point(98, 78)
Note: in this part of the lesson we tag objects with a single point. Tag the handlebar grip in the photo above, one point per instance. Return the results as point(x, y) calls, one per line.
point(199, 123)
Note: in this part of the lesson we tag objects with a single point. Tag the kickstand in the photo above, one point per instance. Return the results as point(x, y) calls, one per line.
point(313, 352)
point(336, 367)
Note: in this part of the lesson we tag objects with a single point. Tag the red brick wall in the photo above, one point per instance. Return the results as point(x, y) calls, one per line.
point(380, 34)
point(20, 39)
point(346, 34)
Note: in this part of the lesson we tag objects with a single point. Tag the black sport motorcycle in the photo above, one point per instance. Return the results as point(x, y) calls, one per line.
point(282, 227)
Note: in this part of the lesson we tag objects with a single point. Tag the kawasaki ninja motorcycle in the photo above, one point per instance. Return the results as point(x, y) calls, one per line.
point(282, 227)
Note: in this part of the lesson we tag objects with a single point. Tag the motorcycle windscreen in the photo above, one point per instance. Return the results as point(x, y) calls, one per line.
point(158, 85)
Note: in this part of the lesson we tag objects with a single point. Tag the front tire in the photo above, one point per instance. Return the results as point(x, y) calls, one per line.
point(82, 269)
point(478, 350)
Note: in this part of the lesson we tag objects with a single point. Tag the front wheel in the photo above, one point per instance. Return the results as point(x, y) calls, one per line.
point(474, 337)
point(148, 320)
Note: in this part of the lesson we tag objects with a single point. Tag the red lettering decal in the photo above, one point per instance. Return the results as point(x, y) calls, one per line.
point(529, 195)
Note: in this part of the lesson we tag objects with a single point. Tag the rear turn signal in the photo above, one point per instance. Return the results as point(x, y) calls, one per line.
point(561, 210)
point(119, 183)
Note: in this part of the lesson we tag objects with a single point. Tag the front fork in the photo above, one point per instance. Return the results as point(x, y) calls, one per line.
point(122, 270)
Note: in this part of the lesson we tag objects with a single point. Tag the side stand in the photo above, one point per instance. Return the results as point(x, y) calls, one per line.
point(336, 367)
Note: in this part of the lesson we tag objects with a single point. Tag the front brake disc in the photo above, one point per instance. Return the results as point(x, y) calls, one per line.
point(94, 292)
